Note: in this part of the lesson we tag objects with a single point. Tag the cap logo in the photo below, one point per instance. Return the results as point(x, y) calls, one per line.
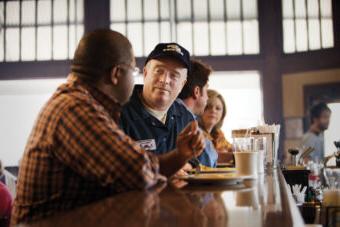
point(173, 47)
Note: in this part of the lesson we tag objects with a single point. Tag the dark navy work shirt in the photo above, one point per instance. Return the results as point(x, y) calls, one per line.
point(141, 126)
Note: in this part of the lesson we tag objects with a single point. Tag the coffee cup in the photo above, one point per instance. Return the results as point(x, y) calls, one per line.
point(246, 163)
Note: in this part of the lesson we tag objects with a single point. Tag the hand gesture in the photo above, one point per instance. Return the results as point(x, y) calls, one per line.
point(191, 141)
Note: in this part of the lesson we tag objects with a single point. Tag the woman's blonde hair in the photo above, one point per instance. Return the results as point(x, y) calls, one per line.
point(212, 94)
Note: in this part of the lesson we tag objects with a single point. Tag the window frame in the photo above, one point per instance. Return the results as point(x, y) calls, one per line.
point(36, 24)
point(293, 62)
point(176, 19)
point(335, 9)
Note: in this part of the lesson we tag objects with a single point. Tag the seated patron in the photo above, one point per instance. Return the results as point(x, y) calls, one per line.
point(152, 117)
point(211, 122)
point(194, 96)
point(76, 153)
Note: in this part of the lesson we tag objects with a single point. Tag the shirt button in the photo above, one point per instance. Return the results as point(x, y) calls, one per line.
point(164, 139)
point(172, 118)
point(153, 123)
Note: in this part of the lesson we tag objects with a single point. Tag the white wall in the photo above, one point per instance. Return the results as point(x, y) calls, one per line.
point(20, 103)
point(243, 96)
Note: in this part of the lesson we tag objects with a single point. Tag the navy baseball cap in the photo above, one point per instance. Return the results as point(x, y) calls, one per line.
point(171, 50)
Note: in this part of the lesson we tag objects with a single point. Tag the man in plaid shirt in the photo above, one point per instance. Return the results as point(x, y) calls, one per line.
point(76, 153)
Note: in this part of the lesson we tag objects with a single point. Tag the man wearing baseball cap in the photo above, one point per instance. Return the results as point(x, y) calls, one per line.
point(152, 117)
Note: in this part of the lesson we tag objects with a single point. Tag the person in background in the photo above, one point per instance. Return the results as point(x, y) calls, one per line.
point(76, 153)
point(194, 97)
point(319, 116)
point(5, 202)
point(152, 117)
point(211, 121)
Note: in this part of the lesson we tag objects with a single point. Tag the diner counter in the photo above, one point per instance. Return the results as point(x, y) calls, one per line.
point(263, 202)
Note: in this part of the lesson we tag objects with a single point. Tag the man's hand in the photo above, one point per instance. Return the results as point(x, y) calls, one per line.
point(190, 142)
point(180, 172)
point(184, 171)
point(187, 167)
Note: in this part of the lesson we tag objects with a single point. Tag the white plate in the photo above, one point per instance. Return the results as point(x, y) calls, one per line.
point(214, 170)
point(213, 178)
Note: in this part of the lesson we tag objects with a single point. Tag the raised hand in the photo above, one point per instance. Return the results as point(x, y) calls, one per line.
point(190, 142)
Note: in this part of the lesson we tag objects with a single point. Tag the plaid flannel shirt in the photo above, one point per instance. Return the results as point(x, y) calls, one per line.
point(76, 154)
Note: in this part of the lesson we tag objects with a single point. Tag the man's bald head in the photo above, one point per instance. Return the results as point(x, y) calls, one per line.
point(98, 52)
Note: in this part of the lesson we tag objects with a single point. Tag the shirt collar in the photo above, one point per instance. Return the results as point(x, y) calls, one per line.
point(142, 113)
point(180, 101)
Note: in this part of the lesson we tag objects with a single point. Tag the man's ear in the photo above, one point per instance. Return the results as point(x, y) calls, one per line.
point(145, 71)
point(196, 92)
point(115, 75)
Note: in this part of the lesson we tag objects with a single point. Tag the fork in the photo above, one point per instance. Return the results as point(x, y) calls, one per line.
point(197, 162)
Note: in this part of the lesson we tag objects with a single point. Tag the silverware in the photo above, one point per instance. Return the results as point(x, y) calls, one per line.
point(197, 162)
point(198, 167)
point(305, 153)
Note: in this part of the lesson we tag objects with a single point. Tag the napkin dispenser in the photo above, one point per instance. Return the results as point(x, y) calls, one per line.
point(271, 155)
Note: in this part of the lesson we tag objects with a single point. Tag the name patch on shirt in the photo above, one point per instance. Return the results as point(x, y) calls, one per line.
point(148, 145)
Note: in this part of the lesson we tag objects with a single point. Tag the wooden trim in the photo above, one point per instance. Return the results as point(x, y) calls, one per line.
point(34, 69)
point(96, 14)
point(225, 63)
point(271, 46)
point(234, 63)
point(270, 21)
point(336, 23)
point(309, 61)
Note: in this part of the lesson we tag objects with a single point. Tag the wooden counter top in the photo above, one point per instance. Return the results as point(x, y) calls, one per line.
point(263, 202)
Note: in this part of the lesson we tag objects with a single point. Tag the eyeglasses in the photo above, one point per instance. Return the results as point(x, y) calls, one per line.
point(135, 70)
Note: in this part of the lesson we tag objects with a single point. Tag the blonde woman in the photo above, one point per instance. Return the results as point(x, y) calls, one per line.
point(211, 122)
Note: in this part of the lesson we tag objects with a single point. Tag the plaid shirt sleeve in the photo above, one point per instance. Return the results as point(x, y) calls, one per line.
point(95, 148)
